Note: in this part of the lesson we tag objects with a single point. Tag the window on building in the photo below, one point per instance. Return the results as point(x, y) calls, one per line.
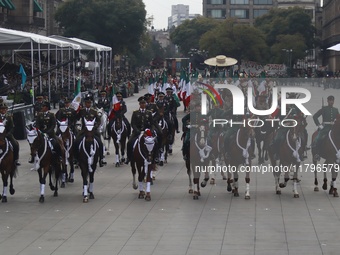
point(217, 14)
point(241, 14)
point(239, 1)
point(216, 1)
point(263, 1)
point(258, 13)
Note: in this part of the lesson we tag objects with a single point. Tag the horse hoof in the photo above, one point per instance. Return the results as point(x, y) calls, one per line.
point(195, 196)
point(170, 152)
point(91, 195)
point(52, 187)
point(85, 199)
point(324, 186)
point(141, 196)
point(247, 197)
point(71, 180)
point(224, 178)
point(117, 165)
point(11, 191)
point(153, 178)
point(108, 153)
point(151, 182)
point(41, 199)
point(55, 194)
point(229, 188)
point(203, 184)
point(236, 194)
point(147, 198)
point(282, 185)
point(212, 181)
point(335, 193)
point(62, 185)
point(198, 193)
point(191, 191)
point(296, 196)
point(134, 186)
point(331, 191)
point(278, 192)
point(161, 163)
point(316, 188)
point(4, 199)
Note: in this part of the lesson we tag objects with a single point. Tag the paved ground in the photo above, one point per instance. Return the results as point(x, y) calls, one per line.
point(117, 222)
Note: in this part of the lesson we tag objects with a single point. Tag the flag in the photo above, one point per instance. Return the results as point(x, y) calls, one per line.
point(115, 107)
point(77, 96)
point(187, 90)
point(23, 76)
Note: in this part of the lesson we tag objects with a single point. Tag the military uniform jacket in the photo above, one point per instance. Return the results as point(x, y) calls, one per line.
point(37, 108)
point(141, 121)
point(46, 122)
point(88, 114)
point(121, 111)
point(9, 126)
point(328, 115)
point(170, 100)
point(152, 107)
point(67, 113)
point(104, 103)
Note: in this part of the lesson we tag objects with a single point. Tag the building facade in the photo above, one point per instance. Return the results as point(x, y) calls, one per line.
point(179, 13)
point(331, 33)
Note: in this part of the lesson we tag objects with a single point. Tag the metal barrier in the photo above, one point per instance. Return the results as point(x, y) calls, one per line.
point(22, 116)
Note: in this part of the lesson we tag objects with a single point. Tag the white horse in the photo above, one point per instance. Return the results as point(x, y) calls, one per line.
point(103, 130)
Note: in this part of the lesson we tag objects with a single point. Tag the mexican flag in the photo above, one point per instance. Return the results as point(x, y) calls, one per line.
point(77, 96)
point(115, 106)
point(187, 89)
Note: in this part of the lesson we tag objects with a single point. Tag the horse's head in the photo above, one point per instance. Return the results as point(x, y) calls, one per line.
point(149, 140)
point(35, 139)
point(89, 124)
point(63, 125)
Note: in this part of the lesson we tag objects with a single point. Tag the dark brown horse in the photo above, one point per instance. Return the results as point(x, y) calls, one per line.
point(291, 153)
point(46, 162)
point(239, 151)
point(165, 137)
point(88, 158)
point(141, 162)
point(330, 151)
point(199, 157)
point(119, 134)
point(7, 164)
point(67, 137)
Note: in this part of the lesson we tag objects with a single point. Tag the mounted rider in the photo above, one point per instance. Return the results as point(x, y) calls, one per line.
point(37, 106)
point(46, 123)
point(215, 113)
point(67, 113)
point(103, 102)
point(9, 126)
point(172, 106)
point(140, 121)
point(328, 114)
point(89, 113)
point(118, 111)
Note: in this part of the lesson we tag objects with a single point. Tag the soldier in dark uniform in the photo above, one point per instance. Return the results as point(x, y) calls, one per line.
point(89, 113)
point(103, 102)
point(67, 113)
point(172, 106)
point(328, 114)
point(37, 106)
point(141, 119)
point(9, 131)
point(118, 111)
point(149, 105)
point(46, 123)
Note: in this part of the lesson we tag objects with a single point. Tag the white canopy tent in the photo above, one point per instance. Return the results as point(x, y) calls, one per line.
point(24, 41)
point(335, 47)
point(100, 54)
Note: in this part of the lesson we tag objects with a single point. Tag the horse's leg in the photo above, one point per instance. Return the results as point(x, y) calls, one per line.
point(11, 188)
point(206, 175)
point(229, 181)
point(108, 146)
point(117, 154)
point(235, 184)
point(286, 168)
point(334, 176)
point(213, 173)
point(84, 175)
point(133, 170)
point(5, 186)
point(42, 180)
point(148, 183)
point(316, 183)
point(141, 175)
point(295, 181)
point(197, 174)
point(277, 175)
point(122, 147)
point(187, 164)
point(91, 177)
point(57, 172)
point(259, 149)
point(64, 177)
point(247, 179)
point(71, 177)
point(324, 186)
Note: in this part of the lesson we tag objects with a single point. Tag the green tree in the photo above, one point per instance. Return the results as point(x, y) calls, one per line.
point(116, 23)
point(187, 35)
point(242, 42)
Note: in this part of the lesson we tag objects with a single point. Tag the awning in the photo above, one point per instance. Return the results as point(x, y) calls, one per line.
point(37, 7)
point(2, 4)
point(9, 4)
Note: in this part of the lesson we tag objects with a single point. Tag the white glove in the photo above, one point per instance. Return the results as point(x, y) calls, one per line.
point(320, 127)
point(188, 126)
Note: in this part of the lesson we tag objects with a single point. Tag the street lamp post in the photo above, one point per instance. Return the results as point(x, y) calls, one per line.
point(289, 53)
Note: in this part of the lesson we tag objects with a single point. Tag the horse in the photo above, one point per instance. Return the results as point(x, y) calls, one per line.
point(7, 164)
point(238, 153)
point(165, 137)
point(330, 151)
point(199, 157)
point(141, 162)
point(88, 158)
point(262, 133)
point(103, 130)
point(46, 162)
point(67, 137)
point(119, 134)
point(217, 153)
point(291, 153)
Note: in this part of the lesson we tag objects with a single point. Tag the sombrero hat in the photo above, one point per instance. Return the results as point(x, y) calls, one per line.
point(220, 60)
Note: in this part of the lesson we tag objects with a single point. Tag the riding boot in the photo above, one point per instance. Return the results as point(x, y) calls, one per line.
point(56, 148)
point(129, 150)
point(128, 127)
point(109, 131)
point(176, 124)
point(101, 152)
point(156, 153)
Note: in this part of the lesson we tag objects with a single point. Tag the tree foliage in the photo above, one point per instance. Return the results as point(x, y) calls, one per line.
point(116, 23)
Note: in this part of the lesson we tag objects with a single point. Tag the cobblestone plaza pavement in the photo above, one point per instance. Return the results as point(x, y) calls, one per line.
point(117, 222)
